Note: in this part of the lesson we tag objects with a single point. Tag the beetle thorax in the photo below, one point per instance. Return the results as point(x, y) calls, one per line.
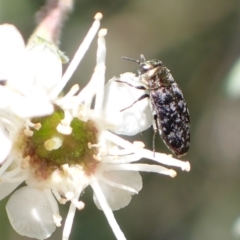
point(157, 77)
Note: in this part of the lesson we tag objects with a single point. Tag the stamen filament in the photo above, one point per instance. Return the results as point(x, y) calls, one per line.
point(54, 206)
point(70, 216)
point(6, 164)
point(143, 168)
point(56, 194)
point(122, 159)
point(119, 152)
point(159, 157)
point(69, 221)
point(66, 99)
point(117, 185)
point(78, 56)
point(11, 119)
point(107, 210)
point(100, 69)
point(96, 83)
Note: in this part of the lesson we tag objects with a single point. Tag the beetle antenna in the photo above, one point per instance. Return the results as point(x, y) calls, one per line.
point(142, 58)
point(131, 59)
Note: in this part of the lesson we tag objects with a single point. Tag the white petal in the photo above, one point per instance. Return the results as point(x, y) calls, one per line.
point(30, 213)
point(233, 83)
point(32, 106)
point(35, 104)
point(118, 96)
point(45, 65)
point(41, 68)
point(236, 228)
point(118, 198)
point(11, 49)
point(6, 188)
point(5, 144)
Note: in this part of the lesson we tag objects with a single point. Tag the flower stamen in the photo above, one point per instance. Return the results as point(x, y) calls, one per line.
point(25, 162)
point(27, 132)
point(159, 157)
point(6, 164)
point(141, 167)
point(37, 126)
point(57, 220)
point(69, 195)
point(56, 216)
point(64, 126)
point(77, 57)
point(78, 204)
point(107, 210)
point(70, 216)
point(117, 185)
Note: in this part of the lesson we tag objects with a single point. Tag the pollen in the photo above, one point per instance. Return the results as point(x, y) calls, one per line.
point(48, 149)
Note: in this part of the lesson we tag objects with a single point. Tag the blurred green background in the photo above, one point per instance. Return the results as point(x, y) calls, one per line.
point(199, 41)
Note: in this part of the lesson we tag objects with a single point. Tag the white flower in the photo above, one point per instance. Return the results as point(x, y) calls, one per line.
point(25, 92)
point(58, 155)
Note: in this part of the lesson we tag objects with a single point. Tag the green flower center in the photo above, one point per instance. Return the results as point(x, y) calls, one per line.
point(72, 150)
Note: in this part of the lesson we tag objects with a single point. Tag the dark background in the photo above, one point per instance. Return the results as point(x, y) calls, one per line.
point(199, 41)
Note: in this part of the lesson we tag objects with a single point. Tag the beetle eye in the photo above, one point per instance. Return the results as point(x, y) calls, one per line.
point(144, 68)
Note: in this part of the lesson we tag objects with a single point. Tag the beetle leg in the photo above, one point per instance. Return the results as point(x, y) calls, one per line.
point(141, 87)
point(139, 99)
point(155, 129)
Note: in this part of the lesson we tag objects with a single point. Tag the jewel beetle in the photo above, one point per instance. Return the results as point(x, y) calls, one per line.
point(170, 112)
